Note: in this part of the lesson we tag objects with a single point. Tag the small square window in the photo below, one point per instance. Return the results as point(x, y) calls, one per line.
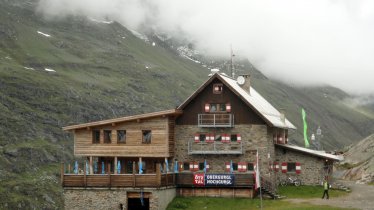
point(201, 166)
point(107, 136)
point(291, 167)
point(217, 88)
point(96, 136)
point(234, 166)
point(121, 136)
point(234, 137)
point(218, 137)
point(147, 136)
point(186, 166)
point(250, 167)
point(202, 137)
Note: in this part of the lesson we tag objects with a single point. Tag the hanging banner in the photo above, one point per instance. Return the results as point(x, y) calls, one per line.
point(202, 180)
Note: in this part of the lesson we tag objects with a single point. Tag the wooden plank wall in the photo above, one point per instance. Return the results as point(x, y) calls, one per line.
point(133, 147)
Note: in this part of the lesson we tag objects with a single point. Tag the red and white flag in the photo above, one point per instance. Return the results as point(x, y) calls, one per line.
point(257, 174)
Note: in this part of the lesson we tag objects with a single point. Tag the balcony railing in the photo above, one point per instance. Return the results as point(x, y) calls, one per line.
point(118, 180)
point(85, 179)
point(215, 120)
point(233, 148)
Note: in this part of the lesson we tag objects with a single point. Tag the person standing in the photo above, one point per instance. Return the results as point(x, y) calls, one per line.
point(326, 189)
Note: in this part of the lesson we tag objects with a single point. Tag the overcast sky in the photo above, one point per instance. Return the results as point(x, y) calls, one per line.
point(304, 42)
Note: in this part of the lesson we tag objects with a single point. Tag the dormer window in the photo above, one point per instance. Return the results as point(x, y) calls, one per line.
point(217, 88)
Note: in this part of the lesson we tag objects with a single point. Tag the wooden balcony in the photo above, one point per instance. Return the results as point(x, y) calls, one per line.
point(214, 148)
point(216, 120)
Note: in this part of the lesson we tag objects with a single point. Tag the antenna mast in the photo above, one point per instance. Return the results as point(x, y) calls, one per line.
point(232, 63)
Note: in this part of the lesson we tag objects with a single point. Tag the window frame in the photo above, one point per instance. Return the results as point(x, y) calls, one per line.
point(96, 136)
point(145, 139)
point(186, 166)
point(107, 138)
point(291, 167)
point(118, 137)
point(219, 86)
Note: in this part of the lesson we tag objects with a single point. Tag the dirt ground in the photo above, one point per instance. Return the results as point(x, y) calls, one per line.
point(361, 197)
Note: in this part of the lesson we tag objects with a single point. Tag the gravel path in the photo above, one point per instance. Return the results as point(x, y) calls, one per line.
point(361, 197)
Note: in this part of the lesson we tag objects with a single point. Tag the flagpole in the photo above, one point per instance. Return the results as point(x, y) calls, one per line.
point(258, 171)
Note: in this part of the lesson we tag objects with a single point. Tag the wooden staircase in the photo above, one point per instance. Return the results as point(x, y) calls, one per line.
point(268, 189)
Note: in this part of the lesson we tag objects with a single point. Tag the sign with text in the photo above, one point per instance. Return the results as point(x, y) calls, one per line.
point(213, 179)
point(198, 179)
point(219, 179)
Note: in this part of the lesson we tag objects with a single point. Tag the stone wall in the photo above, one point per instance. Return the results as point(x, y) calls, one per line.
point(97, 198)
point(312, 167)
point(253, 137)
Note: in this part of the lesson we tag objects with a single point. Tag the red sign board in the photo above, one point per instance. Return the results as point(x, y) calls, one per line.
point(198, 180)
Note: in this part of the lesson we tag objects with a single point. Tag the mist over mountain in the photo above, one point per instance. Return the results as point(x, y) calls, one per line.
point(302, 42)
point(69, 69)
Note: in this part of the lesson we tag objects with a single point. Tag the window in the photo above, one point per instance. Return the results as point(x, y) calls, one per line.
point(186, 166)
point(121, 136)
point(234, 166)
point(250, 167)
point(107, 136)
point(202, 137)
point(201, 166)
point(217, 137)
point(216, 107)
point(217, 88)
point(147, 137)
point(234, 137)
point(291, 167)
point(96, 136)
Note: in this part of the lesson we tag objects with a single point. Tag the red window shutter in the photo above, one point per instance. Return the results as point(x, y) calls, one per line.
point(238, 138)
point(284, 167)
point(228, 107)
point(276, 166)
point(212, 137)
point(298, 168)
point(270, 166)
point(223, 138)
point(227, 167)
point(195, 166)
point(191, 166)
point(180, 166)
point(207, 167)
point(197, 138)
point(207, 107)
point(228, 137)
point(242, 166)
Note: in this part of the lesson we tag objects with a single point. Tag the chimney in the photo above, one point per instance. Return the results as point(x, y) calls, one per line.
point(244, 81)
point(282, 115)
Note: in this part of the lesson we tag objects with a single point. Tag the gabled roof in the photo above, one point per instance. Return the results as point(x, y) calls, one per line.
point(253, 99)
point(317, 153)
point(124, 119)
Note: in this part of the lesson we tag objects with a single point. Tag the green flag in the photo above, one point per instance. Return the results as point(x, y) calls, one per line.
point(305, 128)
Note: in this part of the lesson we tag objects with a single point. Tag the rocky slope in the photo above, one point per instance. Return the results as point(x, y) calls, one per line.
point(359, 161)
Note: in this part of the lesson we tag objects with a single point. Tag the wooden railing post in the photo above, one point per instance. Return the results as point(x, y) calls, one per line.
point(133, 174)
point(84, 174)
point(62, 173)
point(158, 174)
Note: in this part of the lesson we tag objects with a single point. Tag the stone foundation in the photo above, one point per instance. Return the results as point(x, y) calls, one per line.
point(99, 198)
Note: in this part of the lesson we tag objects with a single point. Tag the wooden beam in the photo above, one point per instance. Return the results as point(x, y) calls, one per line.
point(115, 165)
point(158, 174)
point(113, 124)
point(84, 174)
point(88, 128)
point(91, 168)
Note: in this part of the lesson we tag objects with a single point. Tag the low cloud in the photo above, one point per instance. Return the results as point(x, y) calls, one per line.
point(298, 41)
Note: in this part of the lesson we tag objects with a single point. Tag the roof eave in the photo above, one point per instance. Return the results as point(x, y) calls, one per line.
point(123, 119)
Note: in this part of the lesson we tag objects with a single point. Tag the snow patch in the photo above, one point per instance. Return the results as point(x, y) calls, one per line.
point(139, 35)
point(44, 34)
point(101, 21)
point(28, 68)
point(49, 70)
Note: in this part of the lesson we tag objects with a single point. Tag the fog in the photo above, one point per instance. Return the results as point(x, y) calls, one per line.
point(301, 42)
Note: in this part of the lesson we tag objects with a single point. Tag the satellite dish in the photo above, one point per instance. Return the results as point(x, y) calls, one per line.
point(240, 80)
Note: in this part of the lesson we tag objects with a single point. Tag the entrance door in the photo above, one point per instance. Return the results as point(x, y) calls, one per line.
point(138, 204)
